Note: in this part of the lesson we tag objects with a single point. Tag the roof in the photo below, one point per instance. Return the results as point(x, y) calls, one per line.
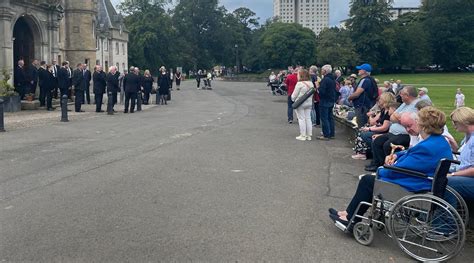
point(108, 16)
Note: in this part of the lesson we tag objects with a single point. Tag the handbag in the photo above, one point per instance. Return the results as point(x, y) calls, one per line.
point(303, 98)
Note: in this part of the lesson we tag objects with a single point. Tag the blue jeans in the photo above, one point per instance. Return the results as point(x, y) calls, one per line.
point(327, 120)
point(290, 109)
point(464, 185)
point(367, 137)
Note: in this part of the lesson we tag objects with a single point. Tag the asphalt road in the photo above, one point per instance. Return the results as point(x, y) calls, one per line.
point(215, 176)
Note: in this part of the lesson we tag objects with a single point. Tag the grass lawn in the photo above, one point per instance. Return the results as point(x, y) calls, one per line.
point(442, 89)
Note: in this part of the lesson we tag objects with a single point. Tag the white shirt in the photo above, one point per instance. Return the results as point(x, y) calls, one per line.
point(459, 100)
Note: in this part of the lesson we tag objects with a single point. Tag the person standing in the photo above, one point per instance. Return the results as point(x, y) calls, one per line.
point(54, 70)
point(315, 115)
point(51, 86)
point(87, 76)
point(43, 77)
point(164, 86)
point(20, 80)
point(147, 86)
point(363, 96)
point(303, 112)
point(171, 79)
point(290, 82)
point(69, 70)
point(198, 80)
point(459, 99)
point(131, 83)
point(327, 95)
point(117, 87)
point(112, 84)
point(178, 79)
point(99, 87)
point(33, 76)
point(122, 86)
point(79, 83)
point(63, 80)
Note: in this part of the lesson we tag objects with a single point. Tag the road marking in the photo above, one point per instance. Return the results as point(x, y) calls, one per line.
point(236, 171)
point(8, 207)
point(177, 136)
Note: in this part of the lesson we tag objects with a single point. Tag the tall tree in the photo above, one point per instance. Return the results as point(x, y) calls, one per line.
point(369, 26)
point(450, 25)
point(335, 47)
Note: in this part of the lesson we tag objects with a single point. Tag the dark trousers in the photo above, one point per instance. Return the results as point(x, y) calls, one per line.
point(146, 97)
point(98, 101)
point(79, 99)
point(317, 116)
point(361, 115)
point(49, 98)
point(327, 120)
point(364, 193)
point(290, 109)
point(381, 146)
point(42, 96)
point(33, 87)
point(130, 96)
point(87, 94)
point(63, 92)
point(114, 97)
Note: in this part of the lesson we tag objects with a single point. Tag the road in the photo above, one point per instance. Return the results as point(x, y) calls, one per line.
point(215, 176)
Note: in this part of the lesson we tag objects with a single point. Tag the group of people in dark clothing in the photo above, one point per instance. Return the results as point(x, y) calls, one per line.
point(54, 80)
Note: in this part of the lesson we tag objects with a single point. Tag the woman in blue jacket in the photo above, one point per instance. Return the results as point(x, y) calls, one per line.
point(423, 157)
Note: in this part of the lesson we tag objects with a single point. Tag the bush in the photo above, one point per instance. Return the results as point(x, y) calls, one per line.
point(6, 90)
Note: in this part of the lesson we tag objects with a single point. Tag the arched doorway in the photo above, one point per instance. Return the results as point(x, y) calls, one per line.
point(26, 40)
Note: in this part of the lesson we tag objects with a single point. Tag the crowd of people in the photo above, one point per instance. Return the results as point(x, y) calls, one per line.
point(55, 81)
point(396, 125)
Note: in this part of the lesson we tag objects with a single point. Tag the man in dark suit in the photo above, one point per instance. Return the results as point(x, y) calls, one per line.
point(20, 81)
point(69, 71)
point(87, 75)
point(99, 87)
point(113, 84)
point(131, 84)
point(79, 82)
point(33, 76)
point(43, 76)
point(63, 79)
point(54, 70)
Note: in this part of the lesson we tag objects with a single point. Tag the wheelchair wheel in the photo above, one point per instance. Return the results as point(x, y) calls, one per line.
point(461, 207)
point(363, 233)
point(426, 227)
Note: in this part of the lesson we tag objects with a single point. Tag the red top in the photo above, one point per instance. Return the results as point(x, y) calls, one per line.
point(290, 82)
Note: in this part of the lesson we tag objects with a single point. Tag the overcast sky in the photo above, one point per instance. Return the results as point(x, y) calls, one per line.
point(338, 9)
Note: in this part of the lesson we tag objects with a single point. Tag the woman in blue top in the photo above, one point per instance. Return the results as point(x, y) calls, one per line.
point(423, 157)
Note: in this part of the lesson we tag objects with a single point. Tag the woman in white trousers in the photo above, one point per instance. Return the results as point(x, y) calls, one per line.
point(303, 112)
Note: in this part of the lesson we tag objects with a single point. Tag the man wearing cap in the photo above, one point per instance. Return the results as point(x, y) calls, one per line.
point(361, 98)
point(423, 94)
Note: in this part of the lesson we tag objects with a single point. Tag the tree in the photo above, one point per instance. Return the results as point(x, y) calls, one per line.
point(451, 31)
point(370, 32)
point(334, 46)
point(288, 44)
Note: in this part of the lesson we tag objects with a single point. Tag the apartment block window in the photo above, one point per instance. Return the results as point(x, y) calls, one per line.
point(117, 51)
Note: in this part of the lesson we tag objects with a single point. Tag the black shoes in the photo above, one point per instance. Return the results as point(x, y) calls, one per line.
point(371, 168)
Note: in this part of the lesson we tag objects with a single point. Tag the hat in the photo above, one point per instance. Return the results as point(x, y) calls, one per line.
point(353, 76)
point(366, 67)
point(425, 90)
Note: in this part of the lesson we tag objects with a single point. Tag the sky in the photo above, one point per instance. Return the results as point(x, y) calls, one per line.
point(338, 9)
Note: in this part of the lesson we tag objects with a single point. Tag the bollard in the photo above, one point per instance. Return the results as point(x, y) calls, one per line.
point(64, 109)
point(2, 126)
point(110, 104)
point(139, 101)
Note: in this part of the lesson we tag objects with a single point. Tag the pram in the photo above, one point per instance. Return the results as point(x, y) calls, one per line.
point(278, 87)
point(424, 225)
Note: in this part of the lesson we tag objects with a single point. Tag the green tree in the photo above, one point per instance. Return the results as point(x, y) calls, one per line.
point(451, 30)
point(334, 46)
point(285, 44)
point(371, 34)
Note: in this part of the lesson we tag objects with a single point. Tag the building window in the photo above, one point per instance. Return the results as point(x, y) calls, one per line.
point(117, 51)
point(118, 66)
point(106, 65)
point(97, 62)
point(106, 45)
point(123, 49)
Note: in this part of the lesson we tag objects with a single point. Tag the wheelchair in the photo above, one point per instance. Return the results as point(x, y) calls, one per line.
point(423, 224)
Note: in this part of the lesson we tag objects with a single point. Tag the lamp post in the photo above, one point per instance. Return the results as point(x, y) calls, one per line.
point(237, 58)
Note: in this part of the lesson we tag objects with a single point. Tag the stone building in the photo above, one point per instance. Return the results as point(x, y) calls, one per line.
point(61, 30)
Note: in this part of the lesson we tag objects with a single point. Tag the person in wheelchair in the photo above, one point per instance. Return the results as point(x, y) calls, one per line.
point(423, 157)
point(462, 180)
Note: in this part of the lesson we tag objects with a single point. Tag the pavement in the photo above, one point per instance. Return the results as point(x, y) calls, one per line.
point(214, 176)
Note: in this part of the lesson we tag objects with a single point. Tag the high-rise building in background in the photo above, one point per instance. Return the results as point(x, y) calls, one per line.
point(312, 14)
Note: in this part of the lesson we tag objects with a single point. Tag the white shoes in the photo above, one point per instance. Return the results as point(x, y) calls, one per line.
point(301, 138)
point(308, 138)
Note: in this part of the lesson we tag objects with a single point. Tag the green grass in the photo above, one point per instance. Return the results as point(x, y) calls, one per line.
point(442, 95)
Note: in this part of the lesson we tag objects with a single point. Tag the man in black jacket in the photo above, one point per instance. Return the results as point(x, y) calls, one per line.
point(43, 76)
point(79, 83)
point(87, 76)
point(33, 76)
point(112, 84)
point(63, 79)
point(20, 81)
point(131, 84)
point(99, 87)
point(327, 95)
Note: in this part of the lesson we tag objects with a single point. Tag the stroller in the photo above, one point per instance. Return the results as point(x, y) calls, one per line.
point(278, 87)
